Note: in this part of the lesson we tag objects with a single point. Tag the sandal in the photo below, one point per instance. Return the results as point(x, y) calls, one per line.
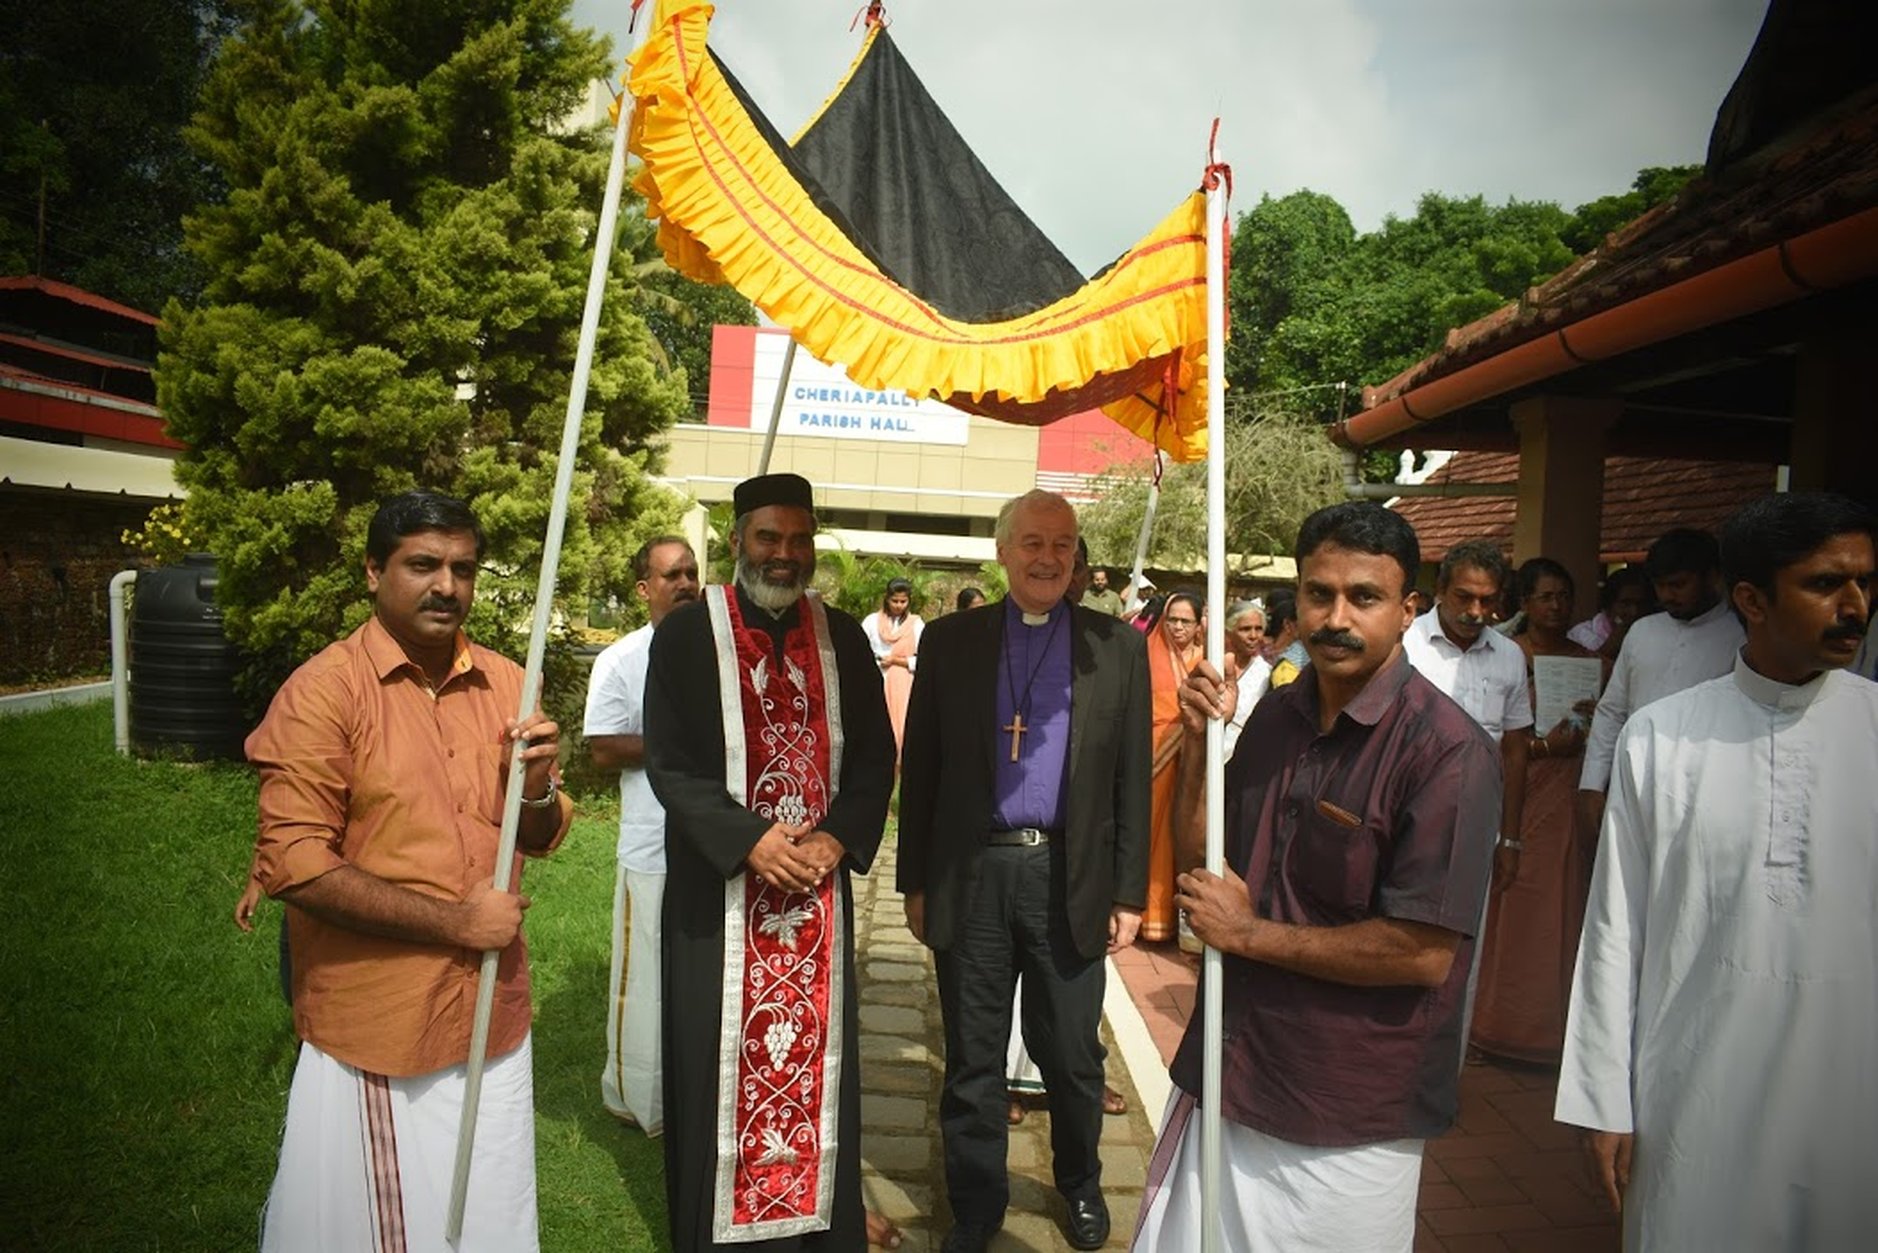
point(881, 1233)
point(1113, 1102)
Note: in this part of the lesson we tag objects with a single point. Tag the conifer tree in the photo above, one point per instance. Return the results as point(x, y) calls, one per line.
point(394, 285)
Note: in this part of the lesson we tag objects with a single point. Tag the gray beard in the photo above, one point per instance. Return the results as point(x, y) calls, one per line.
point(770, 597)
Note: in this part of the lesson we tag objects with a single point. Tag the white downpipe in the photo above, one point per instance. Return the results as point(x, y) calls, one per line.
point(120, 660)
point(1212, 973)
point(537, 648)
point(1132, 598)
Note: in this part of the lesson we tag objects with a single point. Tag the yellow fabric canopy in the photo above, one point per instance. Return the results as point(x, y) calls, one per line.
point(730, 210)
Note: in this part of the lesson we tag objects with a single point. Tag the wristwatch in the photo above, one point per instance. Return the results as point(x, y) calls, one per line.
point(545, 799)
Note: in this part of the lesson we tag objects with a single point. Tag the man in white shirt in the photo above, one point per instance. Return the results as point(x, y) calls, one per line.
point(667, 573)
point(1694, 639)
point(1724, 1016)
point(1482, 671)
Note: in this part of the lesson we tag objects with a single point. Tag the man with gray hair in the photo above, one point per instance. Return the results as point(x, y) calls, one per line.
point(768, 744)
point(1023, 850)
point(1484, 673)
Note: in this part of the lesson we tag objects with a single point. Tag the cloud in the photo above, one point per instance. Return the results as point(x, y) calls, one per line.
point(1094, 113)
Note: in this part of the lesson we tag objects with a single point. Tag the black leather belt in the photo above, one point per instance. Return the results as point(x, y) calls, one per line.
point(1020, 837)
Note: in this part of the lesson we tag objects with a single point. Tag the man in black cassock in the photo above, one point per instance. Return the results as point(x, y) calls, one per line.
point(770, 802)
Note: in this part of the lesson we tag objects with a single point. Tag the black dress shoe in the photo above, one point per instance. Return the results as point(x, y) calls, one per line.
point(970, 1237)
point(1088, 1224)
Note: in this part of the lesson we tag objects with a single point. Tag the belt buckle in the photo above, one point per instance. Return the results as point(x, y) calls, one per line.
point(1032, 836)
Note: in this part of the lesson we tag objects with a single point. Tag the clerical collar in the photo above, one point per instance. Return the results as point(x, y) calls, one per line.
point(1035, 619)
point(1762, 690)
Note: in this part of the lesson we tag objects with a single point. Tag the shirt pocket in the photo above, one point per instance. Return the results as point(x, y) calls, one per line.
point(1333, 858)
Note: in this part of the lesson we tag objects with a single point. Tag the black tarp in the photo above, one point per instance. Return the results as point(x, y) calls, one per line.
point(893, 173)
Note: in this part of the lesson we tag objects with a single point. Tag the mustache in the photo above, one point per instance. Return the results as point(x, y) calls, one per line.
point(778, 571)
point(1327, 638)
point(445, 604)
point(684, 594)
point(1851, 630)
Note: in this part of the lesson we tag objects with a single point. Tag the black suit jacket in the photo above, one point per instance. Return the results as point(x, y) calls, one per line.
point(948, 769)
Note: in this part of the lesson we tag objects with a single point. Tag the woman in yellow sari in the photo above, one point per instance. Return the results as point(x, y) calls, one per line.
point(1173, 648)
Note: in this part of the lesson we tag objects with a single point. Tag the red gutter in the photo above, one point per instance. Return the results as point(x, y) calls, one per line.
point(1831, 256)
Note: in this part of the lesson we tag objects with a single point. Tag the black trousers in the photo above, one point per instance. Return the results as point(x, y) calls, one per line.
point(1016, 923)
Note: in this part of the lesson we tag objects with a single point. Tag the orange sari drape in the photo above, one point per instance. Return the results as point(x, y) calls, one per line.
point(1167, 670)
point(898, 680)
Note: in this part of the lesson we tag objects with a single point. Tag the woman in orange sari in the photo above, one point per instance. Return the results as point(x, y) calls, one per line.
point(1173, 648)
point(894, 632)
point(1531, 938)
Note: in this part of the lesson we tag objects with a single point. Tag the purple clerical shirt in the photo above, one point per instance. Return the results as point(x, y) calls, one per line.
point(1030, 791)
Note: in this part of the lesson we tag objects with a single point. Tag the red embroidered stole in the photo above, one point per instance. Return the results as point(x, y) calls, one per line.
point(779, 1052)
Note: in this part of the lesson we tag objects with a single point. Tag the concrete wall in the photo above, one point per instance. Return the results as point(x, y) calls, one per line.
point(997, 461)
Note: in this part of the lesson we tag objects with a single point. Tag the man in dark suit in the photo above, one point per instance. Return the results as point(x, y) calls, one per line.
point(1024, 850)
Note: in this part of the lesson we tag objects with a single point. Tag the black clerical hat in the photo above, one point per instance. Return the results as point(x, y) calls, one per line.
point(773, 489)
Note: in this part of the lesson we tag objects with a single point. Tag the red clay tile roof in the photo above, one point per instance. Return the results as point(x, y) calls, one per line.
point(1643, 497)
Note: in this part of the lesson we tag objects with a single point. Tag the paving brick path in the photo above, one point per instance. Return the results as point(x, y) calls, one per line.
point(1507, 1178)
point(902, 1069)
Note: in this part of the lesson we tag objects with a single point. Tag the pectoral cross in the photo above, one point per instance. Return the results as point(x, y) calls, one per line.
point(1017, 728)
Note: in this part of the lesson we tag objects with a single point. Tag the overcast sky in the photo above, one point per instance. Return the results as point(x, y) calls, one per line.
point(1094, 113)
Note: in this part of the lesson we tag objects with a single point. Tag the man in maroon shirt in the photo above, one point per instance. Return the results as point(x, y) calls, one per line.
point(1359, 844)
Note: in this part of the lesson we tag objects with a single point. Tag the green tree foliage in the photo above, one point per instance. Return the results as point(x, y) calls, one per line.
point(93, 99)
point(681, 313)
point(857, 584)
point(1319, 310)
point(395, 279)
point(1279, 469)
point(1652, 186)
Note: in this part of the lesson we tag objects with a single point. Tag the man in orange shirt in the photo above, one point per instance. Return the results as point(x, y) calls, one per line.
point(383, 762)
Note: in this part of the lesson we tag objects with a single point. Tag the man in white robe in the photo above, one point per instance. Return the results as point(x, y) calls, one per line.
point(1724, 1018)
point(666, 571)
point(1692, 640)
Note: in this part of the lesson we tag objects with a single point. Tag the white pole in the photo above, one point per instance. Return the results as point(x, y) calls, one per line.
point(1132, 598)
point(776, 406)
point(1212, 972)
point(537, 646)
point(120, 661)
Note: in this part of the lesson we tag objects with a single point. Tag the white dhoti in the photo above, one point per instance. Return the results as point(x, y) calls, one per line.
point(1020, 1073)
point(1275, 1195)
point(366, 1161)
point(630, 1086)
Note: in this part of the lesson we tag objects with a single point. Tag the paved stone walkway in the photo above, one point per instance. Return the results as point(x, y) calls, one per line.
point(902, 1069)
point(1506, 1179)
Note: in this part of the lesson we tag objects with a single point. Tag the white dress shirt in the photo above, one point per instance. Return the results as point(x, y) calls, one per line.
point(1488, 680)
point(1254, 681)
point(616, 705)
point(1660, 657)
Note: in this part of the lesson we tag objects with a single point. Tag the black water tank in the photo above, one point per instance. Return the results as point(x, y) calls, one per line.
point(182, 667)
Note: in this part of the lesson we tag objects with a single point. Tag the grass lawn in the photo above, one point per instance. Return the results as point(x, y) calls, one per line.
point(145, 1046)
